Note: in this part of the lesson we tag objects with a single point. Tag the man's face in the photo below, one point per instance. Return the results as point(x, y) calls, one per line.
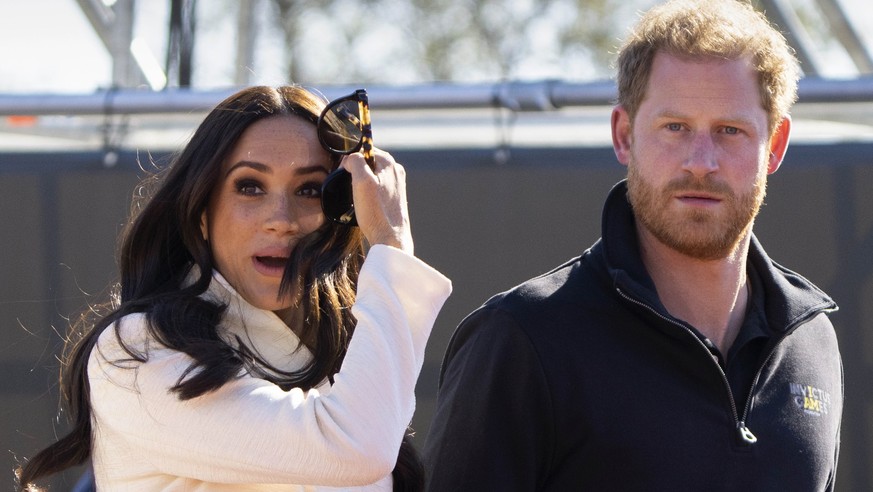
point(698, 154)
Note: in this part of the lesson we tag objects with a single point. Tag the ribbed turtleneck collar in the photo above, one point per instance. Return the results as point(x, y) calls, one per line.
point(260, 330)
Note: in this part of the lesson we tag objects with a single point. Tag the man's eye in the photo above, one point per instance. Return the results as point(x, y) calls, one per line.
point(674, 127)
point(731, 130)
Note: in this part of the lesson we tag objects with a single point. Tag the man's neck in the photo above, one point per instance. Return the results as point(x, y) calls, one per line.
point(710, 295)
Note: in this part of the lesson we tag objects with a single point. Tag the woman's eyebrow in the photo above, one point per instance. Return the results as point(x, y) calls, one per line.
point(315, 168)
point(260, 167)
point(257, 166)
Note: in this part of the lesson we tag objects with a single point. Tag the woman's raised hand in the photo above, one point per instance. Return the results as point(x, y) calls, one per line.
point(380, 200)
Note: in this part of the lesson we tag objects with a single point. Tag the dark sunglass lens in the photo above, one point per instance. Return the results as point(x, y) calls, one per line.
point(336, 197)
point(340, 128)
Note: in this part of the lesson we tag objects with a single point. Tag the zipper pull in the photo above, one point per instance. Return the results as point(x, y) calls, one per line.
point(745, 434)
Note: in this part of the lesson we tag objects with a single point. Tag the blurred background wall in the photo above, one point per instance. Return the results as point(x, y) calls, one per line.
point(485, 224)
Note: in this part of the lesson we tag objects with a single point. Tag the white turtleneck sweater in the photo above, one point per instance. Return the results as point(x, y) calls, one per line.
point(250, 435)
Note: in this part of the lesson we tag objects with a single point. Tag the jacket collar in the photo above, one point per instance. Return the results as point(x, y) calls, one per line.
point(790, 298)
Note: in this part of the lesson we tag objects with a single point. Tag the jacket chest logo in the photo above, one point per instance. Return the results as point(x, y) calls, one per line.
point(811, 400)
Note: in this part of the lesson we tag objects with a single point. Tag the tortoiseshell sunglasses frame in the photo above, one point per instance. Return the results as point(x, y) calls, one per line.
point(337, 187)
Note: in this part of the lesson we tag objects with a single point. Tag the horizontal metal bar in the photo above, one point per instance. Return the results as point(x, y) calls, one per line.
point(517, 96)
point(818, 90)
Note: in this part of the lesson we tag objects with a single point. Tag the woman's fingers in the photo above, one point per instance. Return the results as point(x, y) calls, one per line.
point(380, 199)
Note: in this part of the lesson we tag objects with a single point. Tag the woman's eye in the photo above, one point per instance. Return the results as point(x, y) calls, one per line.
point(248, 188)
point(310, 190)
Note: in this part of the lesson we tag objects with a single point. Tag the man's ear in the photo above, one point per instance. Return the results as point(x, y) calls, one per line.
point(779, 144)
point(621, 134)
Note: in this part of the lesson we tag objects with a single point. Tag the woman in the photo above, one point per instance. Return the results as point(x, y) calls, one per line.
point(239, 355)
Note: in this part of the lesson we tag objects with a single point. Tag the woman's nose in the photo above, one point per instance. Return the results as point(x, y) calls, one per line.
point(282, 216)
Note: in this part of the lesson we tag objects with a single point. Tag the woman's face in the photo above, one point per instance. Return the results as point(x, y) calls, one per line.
point(267, 198)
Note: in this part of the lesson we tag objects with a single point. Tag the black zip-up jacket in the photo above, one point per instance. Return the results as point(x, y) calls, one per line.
point(580, 380)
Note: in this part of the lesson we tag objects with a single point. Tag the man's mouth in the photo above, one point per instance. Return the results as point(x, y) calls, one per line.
point(699, 198)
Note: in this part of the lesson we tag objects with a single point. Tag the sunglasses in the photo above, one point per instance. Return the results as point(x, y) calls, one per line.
point(344, 128)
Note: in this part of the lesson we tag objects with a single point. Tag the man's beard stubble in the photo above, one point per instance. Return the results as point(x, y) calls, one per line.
point(698, 234)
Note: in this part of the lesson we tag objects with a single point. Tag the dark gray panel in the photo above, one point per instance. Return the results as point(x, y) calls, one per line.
point(488, 226)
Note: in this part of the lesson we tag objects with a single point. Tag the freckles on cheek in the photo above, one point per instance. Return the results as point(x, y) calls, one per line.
point(230, 224)
point(241, 216)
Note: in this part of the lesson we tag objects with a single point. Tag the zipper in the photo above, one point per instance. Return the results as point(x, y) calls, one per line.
point(790, 329)
point(745, 435)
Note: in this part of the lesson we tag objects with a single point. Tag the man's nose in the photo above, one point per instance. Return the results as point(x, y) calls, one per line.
point(702, 156)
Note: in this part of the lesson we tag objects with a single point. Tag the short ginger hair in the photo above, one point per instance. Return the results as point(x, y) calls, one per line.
point(700, 29)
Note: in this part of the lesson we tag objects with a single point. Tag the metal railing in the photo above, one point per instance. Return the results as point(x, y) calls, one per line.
point(545, 95)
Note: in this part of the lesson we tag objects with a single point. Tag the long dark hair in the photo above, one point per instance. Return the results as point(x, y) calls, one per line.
point(162, 245)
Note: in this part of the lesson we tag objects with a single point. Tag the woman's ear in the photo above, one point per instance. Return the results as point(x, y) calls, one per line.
point(621, 134)
point(204, 227)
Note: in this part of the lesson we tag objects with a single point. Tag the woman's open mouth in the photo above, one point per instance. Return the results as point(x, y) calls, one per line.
point(273, 266)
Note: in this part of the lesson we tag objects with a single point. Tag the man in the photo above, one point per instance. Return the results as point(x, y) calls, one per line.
point(673, 354)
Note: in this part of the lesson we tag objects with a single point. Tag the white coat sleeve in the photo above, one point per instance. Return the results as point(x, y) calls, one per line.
point(251, 431)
